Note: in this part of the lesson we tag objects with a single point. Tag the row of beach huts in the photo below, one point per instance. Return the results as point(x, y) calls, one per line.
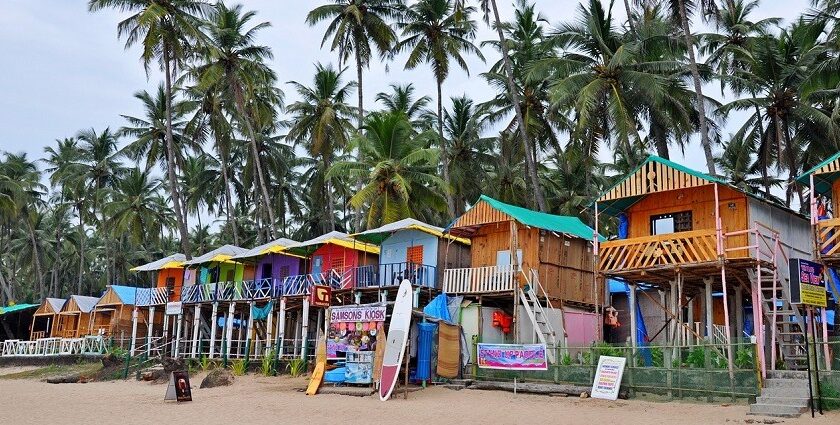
point(673, 250)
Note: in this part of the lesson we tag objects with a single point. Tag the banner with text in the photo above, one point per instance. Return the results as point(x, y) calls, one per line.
point(512, 356)
point(354, 328)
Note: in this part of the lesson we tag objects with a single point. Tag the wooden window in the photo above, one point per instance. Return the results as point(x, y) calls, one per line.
point(337, 264)
point(266, 271)
point(414, 254)
point(284, 272)
point(170, 284)
point(230, 276)
point(662, 224)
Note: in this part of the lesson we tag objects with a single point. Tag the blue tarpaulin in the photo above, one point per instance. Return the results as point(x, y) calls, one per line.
point(438, 307)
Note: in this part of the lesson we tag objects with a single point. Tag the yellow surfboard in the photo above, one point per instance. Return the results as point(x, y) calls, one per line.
point(320, 366)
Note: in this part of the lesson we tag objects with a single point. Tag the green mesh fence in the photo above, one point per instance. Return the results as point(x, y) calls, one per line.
point(699, 371)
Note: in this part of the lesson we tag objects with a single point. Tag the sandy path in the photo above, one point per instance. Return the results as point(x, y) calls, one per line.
point(255, 399)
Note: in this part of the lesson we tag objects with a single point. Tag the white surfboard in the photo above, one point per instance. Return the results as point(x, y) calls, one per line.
point(396, 341)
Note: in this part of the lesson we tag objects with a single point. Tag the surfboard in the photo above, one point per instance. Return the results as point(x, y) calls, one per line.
point(395, 343)
point(320, 367)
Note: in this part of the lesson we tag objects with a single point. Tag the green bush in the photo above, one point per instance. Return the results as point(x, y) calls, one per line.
point(239, 367)
point(831, 397)
point(267, 364)
point(296, 367)
point(744, 358)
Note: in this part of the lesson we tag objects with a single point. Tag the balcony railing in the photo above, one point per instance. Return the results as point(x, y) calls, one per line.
point(828, 237)
point(151, 296)
point(392, 274)
point(480, 280)
point(661, 250)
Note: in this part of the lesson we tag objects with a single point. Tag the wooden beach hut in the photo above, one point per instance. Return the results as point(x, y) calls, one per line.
point(823, 180)
point(688, 235)
point(217, 266)
point(112, 315)
point(272, 263)
point(45, 319)
point(417, 251)
point(338, 259)
point(535, 267)
point(74, 317)
point(169, 277)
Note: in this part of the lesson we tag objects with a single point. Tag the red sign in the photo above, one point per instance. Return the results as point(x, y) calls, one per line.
point(320, 296)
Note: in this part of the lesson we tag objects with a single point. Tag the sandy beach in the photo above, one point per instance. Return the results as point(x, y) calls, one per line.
point(256, 399)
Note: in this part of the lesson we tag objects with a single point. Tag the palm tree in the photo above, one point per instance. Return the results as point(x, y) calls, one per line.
point(399, 170)
point(737, 161)
point(355, 25)
point(166, 29)
point(403, 99)
point(526, 44)
point(149, 131)
point(681, 12)
point(22, 187)
point(436, 33)
point(488, 6)
point(462, 126)
point(235, 65)
point(321, 124)
point(201, 183)
point(137, 209)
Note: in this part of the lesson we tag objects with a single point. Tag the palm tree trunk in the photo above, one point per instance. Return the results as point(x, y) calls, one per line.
point(629, 16)
point(698, 90)
point(330, 197)
point(444, 155)
point(7, 290)
point(361, 119)
point(255, 153)
point(36, 259)
point(170, 160)
point(228, 197)
point(520, 121)
point(81, 251)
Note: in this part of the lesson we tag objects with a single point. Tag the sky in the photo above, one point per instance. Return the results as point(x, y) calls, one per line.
point(63, 68)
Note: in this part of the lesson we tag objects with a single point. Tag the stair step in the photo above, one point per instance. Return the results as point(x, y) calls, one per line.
point(778, 410)
point(787, 374)
point(786, 383)
point(784, 401)
point(779, 392)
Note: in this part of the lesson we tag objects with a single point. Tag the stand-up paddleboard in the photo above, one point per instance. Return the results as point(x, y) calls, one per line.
point(397, 338)
point(320, 367)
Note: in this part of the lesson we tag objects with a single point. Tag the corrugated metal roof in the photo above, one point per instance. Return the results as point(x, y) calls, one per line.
point(56, 303)
point(555, 223)
point(170, 262)
point(220, 254)
point(274, 246)
point(17, 307)
point(306, 248)
point(85, 304)
point(379, 234)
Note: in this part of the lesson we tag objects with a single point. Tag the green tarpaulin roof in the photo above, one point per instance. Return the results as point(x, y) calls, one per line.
point(823, 181)
point(554, 223)
point(16, 307)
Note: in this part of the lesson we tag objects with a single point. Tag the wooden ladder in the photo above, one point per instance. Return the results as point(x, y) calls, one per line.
point(528, 296)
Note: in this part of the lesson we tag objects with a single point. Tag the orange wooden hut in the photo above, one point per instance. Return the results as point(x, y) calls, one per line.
point(45, 319)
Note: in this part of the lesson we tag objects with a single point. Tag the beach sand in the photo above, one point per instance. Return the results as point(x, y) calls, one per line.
point(255, 399)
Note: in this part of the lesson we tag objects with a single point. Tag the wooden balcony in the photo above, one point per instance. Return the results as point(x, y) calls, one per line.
point(650, 252)
point(151, 296)
point(828, 240)
point(480, 280)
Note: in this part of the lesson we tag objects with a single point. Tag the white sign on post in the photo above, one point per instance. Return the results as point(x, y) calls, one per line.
point(608, 377)
point(173, 308)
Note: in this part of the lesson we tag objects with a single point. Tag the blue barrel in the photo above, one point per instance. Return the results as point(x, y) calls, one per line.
point(424, 350)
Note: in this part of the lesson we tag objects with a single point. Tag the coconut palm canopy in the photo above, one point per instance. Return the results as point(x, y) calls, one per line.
point(224, 146)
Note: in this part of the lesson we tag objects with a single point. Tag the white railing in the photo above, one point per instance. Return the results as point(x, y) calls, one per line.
point(480, 280)
point(88, 345)
point(152, 296)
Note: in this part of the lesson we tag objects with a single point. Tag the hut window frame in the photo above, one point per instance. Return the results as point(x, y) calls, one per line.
point(681, 221)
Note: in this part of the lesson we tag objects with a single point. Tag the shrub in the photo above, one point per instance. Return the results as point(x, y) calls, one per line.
point(239, 367)
point(267, 364)
point(206, 364)
point(296, 367)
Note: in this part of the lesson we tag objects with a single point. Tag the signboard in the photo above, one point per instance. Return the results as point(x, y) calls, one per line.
point(512, 356)
point(807, 285)
point(354, 328)
point(179, 387)
point(320, 296)
point(174, 308)
point(608, 377)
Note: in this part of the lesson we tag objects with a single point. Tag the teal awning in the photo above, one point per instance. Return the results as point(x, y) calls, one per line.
point(822, 181)
point(16, 307)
